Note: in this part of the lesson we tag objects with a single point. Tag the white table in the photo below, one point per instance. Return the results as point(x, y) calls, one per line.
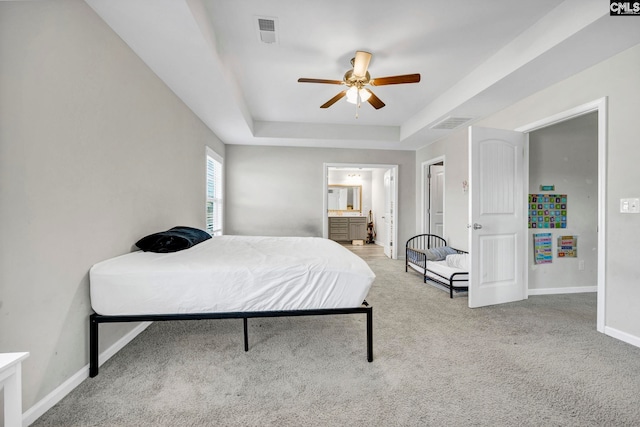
point(11, 380)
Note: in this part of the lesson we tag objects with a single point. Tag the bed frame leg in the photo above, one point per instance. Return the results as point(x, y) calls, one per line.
point(93, 346)
point(246, 334)
point(370, 334)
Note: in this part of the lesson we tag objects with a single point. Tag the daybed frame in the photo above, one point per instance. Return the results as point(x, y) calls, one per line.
point(422, 242)
point(95, 319)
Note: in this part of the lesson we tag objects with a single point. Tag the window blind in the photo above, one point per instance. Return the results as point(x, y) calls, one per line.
point(214, 194)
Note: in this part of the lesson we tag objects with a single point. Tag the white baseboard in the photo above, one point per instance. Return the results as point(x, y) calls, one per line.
point(622, 336)
point(567, 290)
point(46, 403)
point(612, 332)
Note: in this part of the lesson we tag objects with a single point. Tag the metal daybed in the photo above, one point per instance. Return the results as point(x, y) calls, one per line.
point(429, 255)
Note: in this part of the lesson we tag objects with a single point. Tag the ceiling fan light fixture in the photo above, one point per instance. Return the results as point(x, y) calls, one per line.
point(352, 95)
point(356, 79)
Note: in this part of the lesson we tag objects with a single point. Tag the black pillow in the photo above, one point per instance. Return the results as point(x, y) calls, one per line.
point(173, 240)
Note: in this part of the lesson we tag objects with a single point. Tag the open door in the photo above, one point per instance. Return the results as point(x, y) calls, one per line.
point(436, 199)
point(496, 216)
point(388, 213)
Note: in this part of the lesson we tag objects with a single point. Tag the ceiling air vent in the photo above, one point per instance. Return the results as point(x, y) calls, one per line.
point(451, 122)
point(267, 30)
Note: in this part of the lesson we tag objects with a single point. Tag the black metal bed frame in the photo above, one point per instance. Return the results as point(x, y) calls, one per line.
point(448, 282)
point(95, 319)
point(428, 241)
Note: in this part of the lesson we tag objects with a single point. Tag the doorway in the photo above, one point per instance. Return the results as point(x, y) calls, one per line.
point(564, 157)
point(490, 294)
point(433, 195)
point(599, 107)
point(379, 199)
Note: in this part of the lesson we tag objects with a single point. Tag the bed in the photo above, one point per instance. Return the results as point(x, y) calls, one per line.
point(429, 255)
point(230, 277)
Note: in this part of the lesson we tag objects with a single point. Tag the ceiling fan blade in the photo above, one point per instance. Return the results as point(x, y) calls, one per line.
point(395, 80)
point(374, 100)
point(361, 63)
point(331, 82)
point(333, 100)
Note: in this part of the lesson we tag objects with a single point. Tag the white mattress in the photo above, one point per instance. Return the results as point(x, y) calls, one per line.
point(441, 270)
point(232, 274)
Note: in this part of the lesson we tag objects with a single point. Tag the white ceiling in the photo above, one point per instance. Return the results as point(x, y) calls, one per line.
point(475, 57)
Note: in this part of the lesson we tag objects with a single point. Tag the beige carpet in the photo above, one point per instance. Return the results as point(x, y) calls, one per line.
point(538, 362)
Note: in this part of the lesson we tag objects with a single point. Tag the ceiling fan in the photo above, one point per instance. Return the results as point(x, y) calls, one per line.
point(357, 78)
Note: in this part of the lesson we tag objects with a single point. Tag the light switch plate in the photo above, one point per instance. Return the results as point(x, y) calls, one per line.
point(631, 205)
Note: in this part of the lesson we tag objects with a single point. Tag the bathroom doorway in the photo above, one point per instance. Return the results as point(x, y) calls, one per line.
point(378, 201)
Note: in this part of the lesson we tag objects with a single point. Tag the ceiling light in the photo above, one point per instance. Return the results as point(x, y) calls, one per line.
point(353, 92)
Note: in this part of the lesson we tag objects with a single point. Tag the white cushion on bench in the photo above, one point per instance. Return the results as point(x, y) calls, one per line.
point(457, 263)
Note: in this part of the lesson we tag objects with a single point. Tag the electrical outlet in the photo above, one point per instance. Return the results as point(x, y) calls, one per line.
point(581, 264)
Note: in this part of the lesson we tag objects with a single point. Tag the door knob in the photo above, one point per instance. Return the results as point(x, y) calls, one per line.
point(477, 226)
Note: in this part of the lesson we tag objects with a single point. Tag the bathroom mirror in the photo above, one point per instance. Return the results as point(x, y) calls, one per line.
point(345, 198)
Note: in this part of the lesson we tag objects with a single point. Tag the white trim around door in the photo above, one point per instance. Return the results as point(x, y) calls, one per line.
point(425, 193)
point(394, 215)
point(599, 105)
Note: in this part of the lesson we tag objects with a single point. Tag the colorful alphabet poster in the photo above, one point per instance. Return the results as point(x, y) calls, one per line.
point(542, 251)
point(547, 211)
point(567, 246)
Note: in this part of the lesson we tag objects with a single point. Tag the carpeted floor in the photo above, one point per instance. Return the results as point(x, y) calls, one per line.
point(538, 362)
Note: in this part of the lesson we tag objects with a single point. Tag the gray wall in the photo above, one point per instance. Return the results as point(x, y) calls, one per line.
point(95, 152)
point(456, 201)
point(608, 79)
point(566, 155)
point(279, 191)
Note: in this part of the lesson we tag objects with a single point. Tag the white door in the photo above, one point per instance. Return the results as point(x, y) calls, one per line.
point(497, 218)
point(388, 213)
point(436, 200)
point(333, 200)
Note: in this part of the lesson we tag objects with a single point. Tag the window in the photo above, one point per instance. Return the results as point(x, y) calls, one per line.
point(214, 193)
